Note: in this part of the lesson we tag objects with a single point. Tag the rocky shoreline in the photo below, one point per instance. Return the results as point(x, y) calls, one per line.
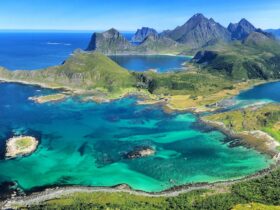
point(258, 140)
point(48, 98)
point(20, 145)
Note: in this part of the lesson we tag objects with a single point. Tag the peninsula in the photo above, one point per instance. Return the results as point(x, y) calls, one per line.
point(49, 98)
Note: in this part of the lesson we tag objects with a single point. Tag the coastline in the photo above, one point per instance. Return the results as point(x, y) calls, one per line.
point(174, 191)
point(57, 192)
point(268, 145)
point(12, 150)
point(151, 54)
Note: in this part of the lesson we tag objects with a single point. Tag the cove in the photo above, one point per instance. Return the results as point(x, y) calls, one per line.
point(84, 143)
point(160, 63)
point(267, 92)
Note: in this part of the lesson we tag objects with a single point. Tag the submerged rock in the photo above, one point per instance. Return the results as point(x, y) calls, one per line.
point(140, 152)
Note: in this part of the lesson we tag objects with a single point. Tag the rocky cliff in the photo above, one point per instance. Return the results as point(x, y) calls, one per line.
point(143, 33)
point(199, 31)
point(109, 42)
point(240, 30)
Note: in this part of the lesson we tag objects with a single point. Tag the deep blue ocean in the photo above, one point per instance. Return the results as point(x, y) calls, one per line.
point(29, 51)
point(36, 50)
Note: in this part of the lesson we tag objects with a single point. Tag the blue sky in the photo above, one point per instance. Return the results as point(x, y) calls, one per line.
point(128, 15)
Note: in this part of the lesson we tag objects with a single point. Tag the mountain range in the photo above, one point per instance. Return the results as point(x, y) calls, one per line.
point(197, 33)
point(275, 32)
point(143, 33)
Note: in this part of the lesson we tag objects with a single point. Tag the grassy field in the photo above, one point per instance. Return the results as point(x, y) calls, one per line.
point(265, 118)
point(255, 206)
point(23, 143)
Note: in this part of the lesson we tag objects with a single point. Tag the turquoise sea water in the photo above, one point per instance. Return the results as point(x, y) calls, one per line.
point(84, 144)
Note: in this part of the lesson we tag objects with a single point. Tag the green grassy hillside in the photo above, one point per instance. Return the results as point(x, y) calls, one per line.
point(94, 71)
point(184, 82)
point(255, 58)
point(84, 71)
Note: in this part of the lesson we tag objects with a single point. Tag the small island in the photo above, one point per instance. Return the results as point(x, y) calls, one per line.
point(140, 152)
point(48, 98)
point(20, 145)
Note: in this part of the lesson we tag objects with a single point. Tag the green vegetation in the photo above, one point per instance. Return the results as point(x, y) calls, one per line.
point(255, 206)
point(265, 190)
point(265, 118)
point(24, 142)
point(252, 59)
point(82, 71)
point(221, 68)
point(177, 83)
point(20, 145)
point(96, 73)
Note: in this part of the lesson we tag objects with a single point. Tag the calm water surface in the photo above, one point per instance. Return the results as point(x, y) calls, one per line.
point(159, 63)
point(85, 143)
point(269, 91)
point(38, 50)
point(27, 50)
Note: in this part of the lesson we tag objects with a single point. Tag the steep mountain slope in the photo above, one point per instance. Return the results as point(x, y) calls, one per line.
point(112, 42)
point(85, 71)
point(109, 42)
point(196, 34)
point(199, 31)
point(257, 57)
point(143, 33)
point(241, 30)
point(160, 44)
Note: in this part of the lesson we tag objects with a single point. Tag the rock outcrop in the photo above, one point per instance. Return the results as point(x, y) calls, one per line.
point(240, 30)
point(143, 33)
point(140, 152)
point(198, 31)
point(109, 42)
point(20, 145)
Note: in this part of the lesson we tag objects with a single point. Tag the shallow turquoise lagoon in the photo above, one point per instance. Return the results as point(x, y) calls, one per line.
point(84, 144)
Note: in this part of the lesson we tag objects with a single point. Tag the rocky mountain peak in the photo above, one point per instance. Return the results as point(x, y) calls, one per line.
point(111, 33)
point(108, 42)
point(143, 33)
point(232, 27)
point(198, 31)
point(240, 30)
